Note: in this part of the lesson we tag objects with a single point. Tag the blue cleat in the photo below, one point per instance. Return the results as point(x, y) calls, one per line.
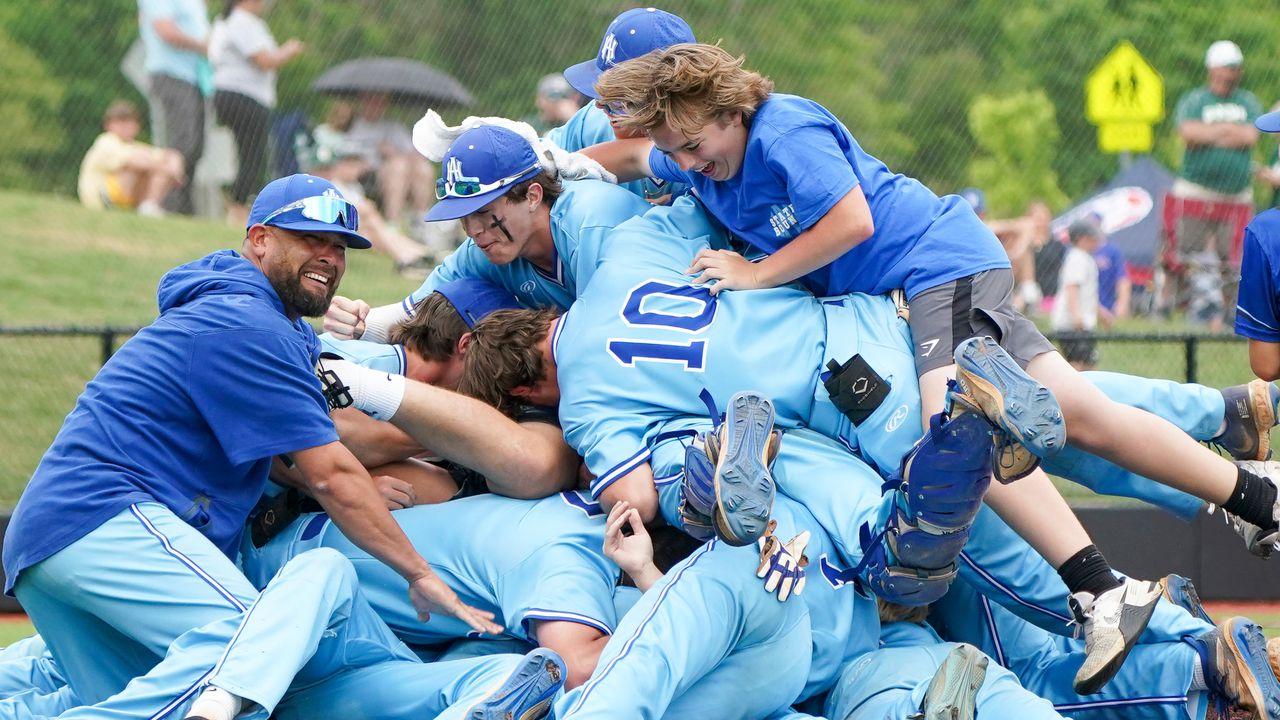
point(1250, 415)
point(953, 692)
point(742, 451)
point(1181, 592)
point(527, 693)
point(1238, 668)
point(1013, 400)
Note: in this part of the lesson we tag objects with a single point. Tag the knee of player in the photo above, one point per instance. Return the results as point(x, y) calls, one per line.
point(321, 563)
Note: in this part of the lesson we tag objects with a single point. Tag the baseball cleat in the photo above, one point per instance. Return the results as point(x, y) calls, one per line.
point(1112, 623)
point(1013, 400)
point(527, 693)
point(742, 450)
point(1238, 667)
point(952, 694)
point(1010, 459)
point(1181, 592)
point(1250, 415)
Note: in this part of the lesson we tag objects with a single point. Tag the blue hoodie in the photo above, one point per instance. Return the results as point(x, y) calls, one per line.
point(188, 413)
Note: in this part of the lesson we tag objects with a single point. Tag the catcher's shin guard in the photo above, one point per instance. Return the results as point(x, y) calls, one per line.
point(945, 476)
point(938, 493)
point(698, 490)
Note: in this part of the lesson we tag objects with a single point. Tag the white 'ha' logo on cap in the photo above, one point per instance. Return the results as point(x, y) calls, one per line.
point(608, 48)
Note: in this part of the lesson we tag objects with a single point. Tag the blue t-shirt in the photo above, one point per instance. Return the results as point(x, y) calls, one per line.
point(1111, 269)
point(581, 219)
point(187, 413)
point(799, 162)
point(375, 356)
point(1258, 305)
point(590, 126)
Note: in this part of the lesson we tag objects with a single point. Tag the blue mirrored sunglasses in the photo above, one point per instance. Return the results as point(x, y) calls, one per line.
point(322, 208)
point(616, 108)
point(470, 186)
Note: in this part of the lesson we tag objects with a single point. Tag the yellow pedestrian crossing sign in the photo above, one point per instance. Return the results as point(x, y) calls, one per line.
point(1121, 94)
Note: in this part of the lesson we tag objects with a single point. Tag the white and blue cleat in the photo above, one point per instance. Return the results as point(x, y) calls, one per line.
point(742, 451)
point(527, 693)
point(953, 692)
point(1026, 410)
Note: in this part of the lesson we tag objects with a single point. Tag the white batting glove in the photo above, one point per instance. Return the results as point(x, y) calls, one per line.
point(782, 564)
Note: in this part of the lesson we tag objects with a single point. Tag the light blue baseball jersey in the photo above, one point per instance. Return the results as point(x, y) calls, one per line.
point(375, 356)
point(641, 345)
point(799, 162)
point(590, 126)
point(1258, 306)
point(543, 563)
point(581, 219)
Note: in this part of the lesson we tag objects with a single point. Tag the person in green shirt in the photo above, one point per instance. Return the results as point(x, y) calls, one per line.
point(1213, 195)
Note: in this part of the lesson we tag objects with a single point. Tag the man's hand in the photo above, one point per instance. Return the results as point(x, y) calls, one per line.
point(429, 594)
point(633, 553)
point(782, 565)
point(730, 270)
point(398, 493)
point(345, 318)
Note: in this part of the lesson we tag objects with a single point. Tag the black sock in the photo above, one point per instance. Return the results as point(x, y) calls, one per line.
point(1088, 571)
point(1253, 499)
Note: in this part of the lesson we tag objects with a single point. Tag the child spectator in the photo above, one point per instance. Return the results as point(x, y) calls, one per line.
point(118, 171)
point(1076, 307)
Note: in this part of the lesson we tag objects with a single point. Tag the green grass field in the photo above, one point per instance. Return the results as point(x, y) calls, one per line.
point(65, 265)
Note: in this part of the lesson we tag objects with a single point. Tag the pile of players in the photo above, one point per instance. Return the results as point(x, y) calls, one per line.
point(718, 438)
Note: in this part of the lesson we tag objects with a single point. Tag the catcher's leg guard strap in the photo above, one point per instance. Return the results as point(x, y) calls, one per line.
point(895, 583)
point(945, 476)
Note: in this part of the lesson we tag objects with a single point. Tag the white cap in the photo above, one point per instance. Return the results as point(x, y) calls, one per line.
point(1223, 53)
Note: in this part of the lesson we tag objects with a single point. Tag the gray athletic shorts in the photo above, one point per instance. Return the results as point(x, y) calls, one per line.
point(982, 304)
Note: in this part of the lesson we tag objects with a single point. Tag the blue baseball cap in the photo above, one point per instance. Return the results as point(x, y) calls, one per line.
point(1269, 122)
point(474, 298)
point(632, 34)
point(306, 203)
point(478, 168)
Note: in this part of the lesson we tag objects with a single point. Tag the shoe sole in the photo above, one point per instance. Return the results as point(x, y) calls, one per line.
point(1264, 416)
point(1010, 398)
point(1182, 592)
point(526, 694)
point(1251, 666)
point(952, 694)
point(1133, 621)
point(743, 483)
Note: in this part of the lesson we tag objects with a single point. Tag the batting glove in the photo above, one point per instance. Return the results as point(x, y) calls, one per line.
point(782, 564)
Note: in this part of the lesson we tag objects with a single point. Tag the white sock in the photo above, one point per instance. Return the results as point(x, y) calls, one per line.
point(216, 704)
point(1197, 676)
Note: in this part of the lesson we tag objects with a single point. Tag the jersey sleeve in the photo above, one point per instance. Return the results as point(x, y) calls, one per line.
point(256, 390)
point(664, 167)
point(1256, 315)
point(560, 582)
point(468, 261)
point(249, 38)
point(810, 163)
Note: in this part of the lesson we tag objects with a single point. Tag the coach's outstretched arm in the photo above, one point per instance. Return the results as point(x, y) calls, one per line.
point(337, 480)
point(520, 460)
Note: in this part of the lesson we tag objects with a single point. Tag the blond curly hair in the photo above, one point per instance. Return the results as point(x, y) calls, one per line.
point(687, 86)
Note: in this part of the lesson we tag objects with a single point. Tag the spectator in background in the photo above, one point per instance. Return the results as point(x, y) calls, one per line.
point(557, 102)
point(1212, 197)
point(118, 171)
point(332, 157)
point(175, 35)
point(399, 172)
point(1075, 309)
point(245, 57)
point(1020, 237)
point(1114, 288)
